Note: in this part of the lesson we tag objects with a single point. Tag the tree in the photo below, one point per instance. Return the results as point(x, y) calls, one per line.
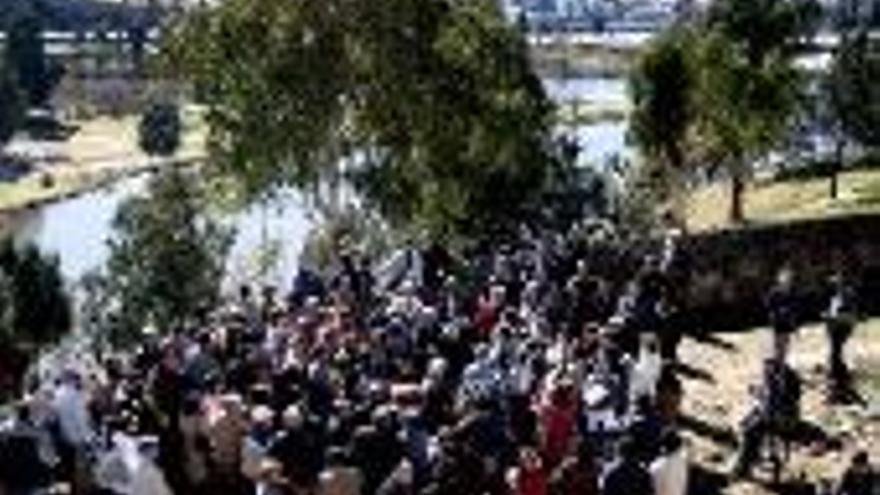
point(432, 106)
point(854, 92)
point(663, 85)
point(166, 256)
point(26, 56)
point(748, 86)
point(160, 129)
point(34, 305)
point(850, 96)
point(11, 106)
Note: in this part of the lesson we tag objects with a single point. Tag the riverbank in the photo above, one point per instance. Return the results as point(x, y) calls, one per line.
point(104, 151)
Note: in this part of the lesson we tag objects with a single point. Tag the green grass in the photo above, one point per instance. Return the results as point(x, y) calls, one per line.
point(788, 200)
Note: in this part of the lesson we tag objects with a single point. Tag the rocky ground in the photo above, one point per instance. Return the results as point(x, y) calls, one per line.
point(718, 373)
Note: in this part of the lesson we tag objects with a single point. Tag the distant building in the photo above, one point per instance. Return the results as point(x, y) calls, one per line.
point(599, 15)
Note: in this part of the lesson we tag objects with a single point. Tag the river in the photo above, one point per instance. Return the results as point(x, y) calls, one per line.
point(77, 229)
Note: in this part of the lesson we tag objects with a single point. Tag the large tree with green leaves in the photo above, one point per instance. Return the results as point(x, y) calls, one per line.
point(11, 105)
point(748, 85)
point(25, 54)
point(431, 105)
point(663, 85)
point(854, 87)
point(167, 256)
point(34, 305)
point(160, 128)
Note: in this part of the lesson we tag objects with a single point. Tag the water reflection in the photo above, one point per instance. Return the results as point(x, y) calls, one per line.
point(77, 230)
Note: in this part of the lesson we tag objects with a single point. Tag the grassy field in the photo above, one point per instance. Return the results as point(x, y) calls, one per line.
point(101, 149)
point(720, 371)
point(780, 201)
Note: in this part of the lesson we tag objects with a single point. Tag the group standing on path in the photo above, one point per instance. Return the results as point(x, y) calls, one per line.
point(513, 371)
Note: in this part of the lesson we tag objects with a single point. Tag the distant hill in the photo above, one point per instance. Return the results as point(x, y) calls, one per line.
point(72, 15)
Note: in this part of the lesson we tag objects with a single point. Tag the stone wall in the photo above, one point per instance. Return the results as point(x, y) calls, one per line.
point(733, 269)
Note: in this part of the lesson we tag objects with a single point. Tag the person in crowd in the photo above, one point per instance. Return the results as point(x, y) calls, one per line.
point(510, 378)
point(340, 476)
point(558, 418)
point(627, 475)
point(578, 474)
point(401, 481)
point(840, 320)
point(26, 454)
point(783, 305)
point(196, 448)
point(670, 469)
point(76, 433)
point(529, 476)
point(776, 410)
point(226, 433)
point(859, 478)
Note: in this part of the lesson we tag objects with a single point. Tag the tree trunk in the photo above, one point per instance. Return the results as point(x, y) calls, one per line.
point(737, 188)
point(836, 167)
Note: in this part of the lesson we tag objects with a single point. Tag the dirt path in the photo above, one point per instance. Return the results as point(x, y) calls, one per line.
point(721, 371)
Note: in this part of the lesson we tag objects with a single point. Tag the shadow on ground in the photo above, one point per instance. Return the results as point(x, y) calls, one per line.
point(721, 435)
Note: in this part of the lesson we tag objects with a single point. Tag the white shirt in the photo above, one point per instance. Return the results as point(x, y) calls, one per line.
point(645, 374)
point(670, 473)
point(73, 416)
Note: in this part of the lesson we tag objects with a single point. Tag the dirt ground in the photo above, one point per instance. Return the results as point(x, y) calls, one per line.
point(718, 373)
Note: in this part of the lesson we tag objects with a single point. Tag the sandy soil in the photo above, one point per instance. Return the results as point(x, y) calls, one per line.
point(721, 370)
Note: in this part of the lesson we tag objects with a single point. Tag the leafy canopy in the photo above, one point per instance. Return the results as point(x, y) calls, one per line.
point(432, 105)
point(160, 129)
point(166, 257)
point(853, 87)
point(11, 105)
point(34, 305)
point(662, 85)
point(25, 54)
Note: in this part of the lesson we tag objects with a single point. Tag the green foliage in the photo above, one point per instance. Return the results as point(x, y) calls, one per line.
point(159, 130)
point(26, 56)
point(852, 87)
point(34, 306)
point(433, 105)
point(340, 233)
point(663, 85)
point(766, 28)
point(722, 94)
point(167, 257)
point(745, 108)
point(11, 105)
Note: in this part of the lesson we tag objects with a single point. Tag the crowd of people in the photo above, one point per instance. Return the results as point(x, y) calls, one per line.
point(516, 371)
